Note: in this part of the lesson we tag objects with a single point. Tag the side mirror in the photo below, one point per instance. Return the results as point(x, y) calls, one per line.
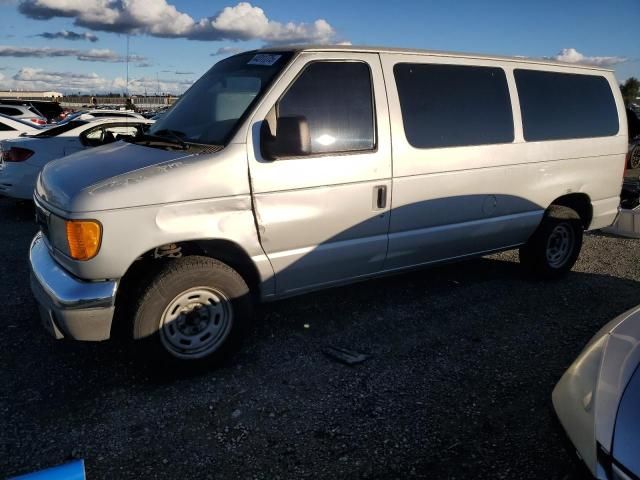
point(291, 139)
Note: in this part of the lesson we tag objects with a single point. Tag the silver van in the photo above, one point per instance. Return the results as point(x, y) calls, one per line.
point(287, 170)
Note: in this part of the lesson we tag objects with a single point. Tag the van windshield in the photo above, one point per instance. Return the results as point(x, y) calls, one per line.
point(211, 109)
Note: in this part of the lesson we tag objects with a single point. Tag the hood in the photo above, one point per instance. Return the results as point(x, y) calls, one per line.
point(124, 175)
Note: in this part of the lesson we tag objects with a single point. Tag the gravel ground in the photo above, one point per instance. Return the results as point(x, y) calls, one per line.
point(463, 361)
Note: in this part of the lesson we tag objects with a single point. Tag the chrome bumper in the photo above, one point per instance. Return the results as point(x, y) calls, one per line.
point(70, 307)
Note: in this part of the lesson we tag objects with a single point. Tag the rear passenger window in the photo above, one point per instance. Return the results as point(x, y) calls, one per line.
point(5, 128)
point(454, 105)
point(12, 112)
point(336, 100)
point(559, 106)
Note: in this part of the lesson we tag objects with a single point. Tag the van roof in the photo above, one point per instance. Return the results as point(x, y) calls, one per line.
point(435, 53)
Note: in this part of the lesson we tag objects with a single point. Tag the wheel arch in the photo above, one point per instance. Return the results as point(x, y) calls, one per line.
point(146, 265)
point(578, 202)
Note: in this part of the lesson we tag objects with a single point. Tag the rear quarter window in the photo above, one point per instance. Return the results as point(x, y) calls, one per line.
point(60, 129)
point(558, 106)
point(5, 128)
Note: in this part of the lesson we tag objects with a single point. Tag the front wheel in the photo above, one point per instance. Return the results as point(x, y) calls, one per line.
point(554, 247)
point(194, 309)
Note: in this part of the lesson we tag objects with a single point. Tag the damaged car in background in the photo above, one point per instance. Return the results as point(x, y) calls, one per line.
point(597, 400)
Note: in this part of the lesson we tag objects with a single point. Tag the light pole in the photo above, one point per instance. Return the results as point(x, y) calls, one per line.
point(127, 84)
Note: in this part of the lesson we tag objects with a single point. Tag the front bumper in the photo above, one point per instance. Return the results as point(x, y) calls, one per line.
point(70, 307)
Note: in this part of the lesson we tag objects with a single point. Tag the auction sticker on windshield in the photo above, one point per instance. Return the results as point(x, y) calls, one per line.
point(264, 59)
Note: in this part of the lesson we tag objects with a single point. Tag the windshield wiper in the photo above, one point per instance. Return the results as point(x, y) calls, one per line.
point(174, 134)
point(148, 140)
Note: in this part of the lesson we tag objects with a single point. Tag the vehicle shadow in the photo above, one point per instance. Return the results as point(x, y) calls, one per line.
point(484, 295)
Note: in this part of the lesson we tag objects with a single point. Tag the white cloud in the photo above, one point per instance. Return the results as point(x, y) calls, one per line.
point(28, 78)
point(38, 75)
point(152, 85)
point(571, 55)
point(92, 55)
point(245, 22)
point(158, 18)
point(69, 35)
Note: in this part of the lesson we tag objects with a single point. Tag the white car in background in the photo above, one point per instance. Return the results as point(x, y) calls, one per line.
point(23, 112)
point(21, 159)
point(102, 113)
point(12, 128)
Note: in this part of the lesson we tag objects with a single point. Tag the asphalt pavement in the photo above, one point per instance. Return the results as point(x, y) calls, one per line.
point(461, 363)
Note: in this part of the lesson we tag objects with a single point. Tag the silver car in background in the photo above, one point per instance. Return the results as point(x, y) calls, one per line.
point(25, 113)
point(597, 400)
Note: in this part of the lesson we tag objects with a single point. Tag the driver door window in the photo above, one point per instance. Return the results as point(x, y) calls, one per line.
point(335, 100)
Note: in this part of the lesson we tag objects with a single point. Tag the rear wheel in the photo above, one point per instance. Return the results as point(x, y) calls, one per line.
point(554, 247)
point(634, 159)
point(193, 310)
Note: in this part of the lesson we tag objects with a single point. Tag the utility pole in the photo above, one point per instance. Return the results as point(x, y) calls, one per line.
point(127, 87)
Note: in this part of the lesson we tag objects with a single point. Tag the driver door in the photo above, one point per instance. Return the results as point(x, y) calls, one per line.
point(323, 215)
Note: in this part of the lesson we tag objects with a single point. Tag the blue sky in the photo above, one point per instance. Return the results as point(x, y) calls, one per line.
point(171, 47)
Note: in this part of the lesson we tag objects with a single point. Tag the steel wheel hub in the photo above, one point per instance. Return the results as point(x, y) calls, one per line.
point(560, 245)
point(196, 322)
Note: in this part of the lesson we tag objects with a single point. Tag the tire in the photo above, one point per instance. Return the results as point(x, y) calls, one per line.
point(554, 247)
point(193, 310)
point(634, 158)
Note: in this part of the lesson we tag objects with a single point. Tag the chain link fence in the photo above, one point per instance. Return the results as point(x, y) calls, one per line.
point(138, 101)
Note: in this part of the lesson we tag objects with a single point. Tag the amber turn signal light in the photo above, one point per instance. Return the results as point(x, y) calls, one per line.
point(83, 237)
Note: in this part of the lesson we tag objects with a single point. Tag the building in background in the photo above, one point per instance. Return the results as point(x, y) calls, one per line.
point(30, 95)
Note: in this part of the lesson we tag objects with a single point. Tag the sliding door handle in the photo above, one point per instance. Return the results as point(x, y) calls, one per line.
point(381, 196)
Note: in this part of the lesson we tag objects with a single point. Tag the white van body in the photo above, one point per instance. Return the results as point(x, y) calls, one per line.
point(395, 197)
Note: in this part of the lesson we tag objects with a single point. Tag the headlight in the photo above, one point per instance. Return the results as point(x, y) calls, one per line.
point(78, 239)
